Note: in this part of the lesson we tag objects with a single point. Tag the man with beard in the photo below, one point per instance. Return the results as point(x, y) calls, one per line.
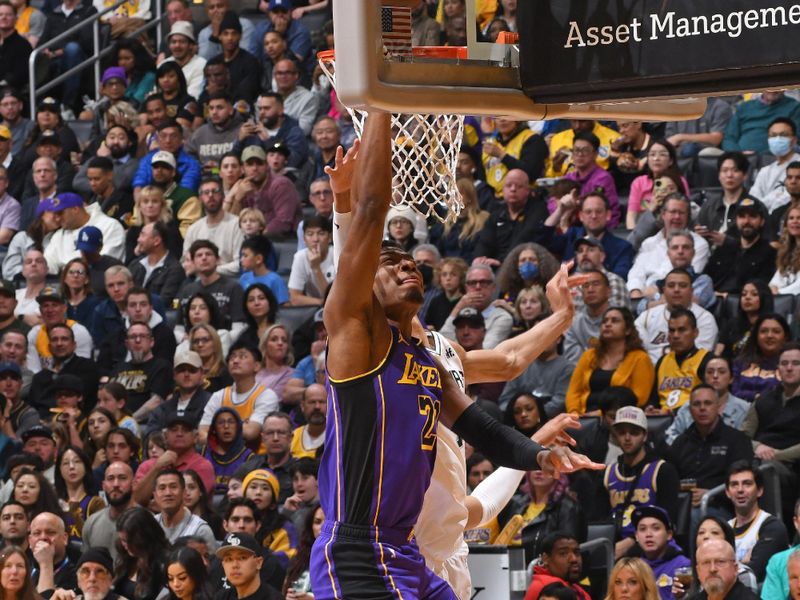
point(170, 139)
point(273, 195)
point(116, 203)
point(13, 525)
point(308, 438)
point(216, 136)
point(638, 478)
point(148, 379)
point(596, 291)
point(184, 203)
point(560, 562)
point(119, 146)
point(774, 227)
point(189, 398)
point(718, 573)
point(590, 256)
point(272, 126)
point(11, 108)
point(99, 530)
point(747, 257)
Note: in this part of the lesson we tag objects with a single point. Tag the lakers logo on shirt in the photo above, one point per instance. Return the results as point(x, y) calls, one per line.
point(414, 374)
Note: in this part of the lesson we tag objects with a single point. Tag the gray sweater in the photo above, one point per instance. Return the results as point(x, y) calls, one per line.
point(544, 379)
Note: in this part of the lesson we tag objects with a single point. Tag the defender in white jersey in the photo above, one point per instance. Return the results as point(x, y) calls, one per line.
point(447, 510)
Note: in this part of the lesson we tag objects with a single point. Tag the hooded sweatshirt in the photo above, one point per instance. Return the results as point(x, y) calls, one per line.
point(225, 462)
point(211, 142)
point(664, 567)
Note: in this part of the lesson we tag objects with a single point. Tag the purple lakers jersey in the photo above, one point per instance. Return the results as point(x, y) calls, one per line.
point(619, 488)
point(380, 440)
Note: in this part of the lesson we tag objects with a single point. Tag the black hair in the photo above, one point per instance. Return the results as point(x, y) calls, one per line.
point(588, 136)
point(130, 438)
point(220, 95)
point(171, 471)
point(273, 95)
point(702, 386)
point(171, 66)
point(318, 221)
point(742, 466)
point(738, 158)
point(475, 458)
point(679, 271)
point(198, 244)
point(785, 121)
point(244, 345)
point(143, 62)
point(169, 123)
point(551, 539)
point(558, 591)
point(302, 559)
point(304, 466)
point(88, 483)
point(727, 530)
point(258, 244)
point(272, 313)
point(147, 547)
point(101, 162)
point(615, 397)
point(191, 560)
point(161, 230)
point(603, 276)
point(47, 500)
point(237, 502)
point(216, 319)
point(683, 312)
point(750, 351)
point(154, 97)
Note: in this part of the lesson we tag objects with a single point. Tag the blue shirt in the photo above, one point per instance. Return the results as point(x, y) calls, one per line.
point(272, 280)
point(188, 171)
point(776, 585)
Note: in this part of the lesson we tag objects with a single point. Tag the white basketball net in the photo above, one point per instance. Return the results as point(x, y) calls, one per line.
point(424, 158)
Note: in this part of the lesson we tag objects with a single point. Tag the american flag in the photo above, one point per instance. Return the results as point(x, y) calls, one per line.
point(396, 29)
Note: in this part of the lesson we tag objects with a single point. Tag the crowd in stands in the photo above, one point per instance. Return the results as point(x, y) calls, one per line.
point(166, 256)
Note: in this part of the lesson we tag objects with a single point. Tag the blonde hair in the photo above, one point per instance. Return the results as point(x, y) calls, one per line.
point(253, 213)
point(458, 264)
point(788, 258)
point(262, 343)
point(536, 291)
point(641, 571)
point(472, 217)
point(219, 359)
point(147, 192)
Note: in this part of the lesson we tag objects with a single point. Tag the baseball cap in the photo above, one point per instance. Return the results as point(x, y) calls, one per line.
point(179, 416)
point(256, 152)
point(40, 431)
point(99, 556)
point(67, 383)
point(10, 367)
point(586, 240)
point(183, 28)
point(189, 357)
point(48, 136)
point(656, 512)
point(7, 288)
point(68, 200)
point(48, 205)
point(470, 315)
point(239, 541)
point(279, 147)
point(5, 133)
point(50, 292)
point(49, 104)
point(114, 73)
point(164, 157)
point(90, 239)
point(263, 475)
point(752, 205)
point(280, 5)
point(632, 415)
point(9, 92)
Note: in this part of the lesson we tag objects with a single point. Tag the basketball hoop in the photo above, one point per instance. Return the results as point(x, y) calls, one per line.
point(424, 148)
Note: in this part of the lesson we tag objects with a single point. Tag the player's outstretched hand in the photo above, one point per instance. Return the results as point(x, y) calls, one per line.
point(561, 459)
point(344, 164)
point(559, 288)
point(553, 432)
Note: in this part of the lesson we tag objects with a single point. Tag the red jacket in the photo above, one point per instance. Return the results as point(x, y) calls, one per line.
point(542, 578)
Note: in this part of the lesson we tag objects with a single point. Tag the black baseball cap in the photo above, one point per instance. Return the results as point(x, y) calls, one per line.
point(470, 315)
point(655, 512)
point(239, 541)
point(586, 240)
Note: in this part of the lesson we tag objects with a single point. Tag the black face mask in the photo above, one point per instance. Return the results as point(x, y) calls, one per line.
point(427, 274)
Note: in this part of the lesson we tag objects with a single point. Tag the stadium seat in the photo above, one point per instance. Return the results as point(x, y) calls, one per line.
point(82, 131)
point(682, 525)
point(707, 171)
point(656, 427)
point(598, 557)
point(294, 316)
point(285, 250)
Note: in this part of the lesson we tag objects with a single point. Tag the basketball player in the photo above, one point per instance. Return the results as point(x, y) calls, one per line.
point(447, 509)
point(386, 394)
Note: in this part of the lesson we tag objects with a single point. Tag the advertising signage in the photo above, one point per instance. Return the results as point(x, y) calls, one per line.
point(581, 50)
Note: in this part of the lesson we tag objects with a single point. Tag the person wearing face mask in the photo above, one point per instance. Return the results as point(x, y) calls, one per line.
point(526, 265)
point(769, 184)
point(745, 130)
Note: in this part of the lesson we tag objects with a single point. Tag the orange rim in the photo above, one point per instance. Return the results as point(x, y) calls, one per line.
point(446, 52)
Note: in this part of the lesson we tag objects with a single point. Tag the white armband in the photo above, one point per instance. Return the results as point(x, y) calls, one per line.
point(495, 491)
point(341, 229)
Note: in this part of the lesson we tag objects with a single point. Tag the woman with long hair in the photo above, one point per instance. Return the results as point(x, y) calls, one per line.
point(460, 238)
point(35, 493)
point(755, 369)
point(150, 207)
point(546, 506)
point(617, 358)
point(37, 235)
point(526, 265)
point(277, 373)
point(204, 340)
point(202, 309)
point(99, 423)
point(632, 579)
point(113, 396)
point(197, 500)
point(449, 275)
point(297, 585)
point(260, 310)
point(230, 171)
point(15, 575)
point(171, 82)
point(531, 303)
point(187, 576)
point(140, 68)
point(755, 300)
point(76, 288)
point(276, 48)
point(787, 275)
point(139, 572)
point(75, 488)
point(525, 413)
point(662, 161)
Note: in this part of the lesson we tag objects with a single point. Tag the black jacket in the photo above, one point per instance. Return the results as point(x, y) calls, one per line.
point(501, 233)
point(113, 349)
point(730, 265)
point(41, 395)
point(164, 281)
point(245, 73)
point(739, 591)
point(14, 53)
point(57, 23)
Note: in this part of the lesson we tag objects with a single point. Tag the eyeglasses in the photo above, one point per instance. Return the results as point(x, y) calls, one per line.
point(210, 192)
point(76, 272)
point(479, 282)
point(100, 573)
point(582, 150)
point(201, 340)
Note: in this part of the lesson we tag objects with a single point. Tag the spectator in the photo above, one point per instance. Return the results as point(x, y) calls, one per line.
point(25, 306)
point(594, 215)
point(561, 145)
point(107, 316)
point(48, 118)
point(638, 478)
point(157, 271)
point(470, 167)
point(255, 253)
point(260, 310)
point(170, 139)
point(217, 135)
point(273, 125)
point(755, 369)
point(244, 69)
point(276, 435)
point(560, 562)
point(54, 567)
point(777, 583)
point(183, 203)
point(590, 175)
point(661, 162)
point(225, 447)
point(183, 50)
point(785, 279)
point(755, 299)
point(690, 137)
point(527, 265)
point(189, 398)
point(677, 294)
point(172, 88)
point(208, 38)
point(759, 534)
point(241, 559)
point(141, 557)
point(210, 352)
point(589, 257)
point(736, 261)
point(717, 216)
point(309, 438)
point(586, 322)
point(14, 50)
point(116, 203)
point(680, 370)
point(151, 207)
point(276, 373)
point(44, 179)
point(513, 146)
point(217, 226)
point(732, 410)
point(312, 269)
point(75, 486)
point(131, 55)
point(11, 112)
point(617, 359)
point(717, 572)
point(118, 148)
point(655, 546)
point(47, 145)
point(629, 154)
point(53, 308)
point(747, 129)
point(230, 171)
point(449, 276)
point(21, 418)
point(299, 103)
point(703, 452)
point(791, 183)
point(175, 519)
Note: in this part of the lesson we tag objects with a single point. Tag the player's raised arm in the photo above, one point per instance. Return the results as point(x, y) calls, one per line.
point(351, 305)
